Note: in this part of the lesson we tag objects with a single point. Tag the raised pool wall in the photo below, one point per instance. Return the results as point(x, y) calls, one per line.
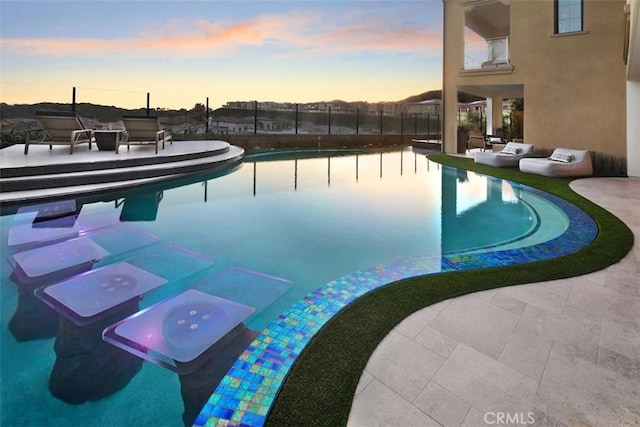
point(261, 142)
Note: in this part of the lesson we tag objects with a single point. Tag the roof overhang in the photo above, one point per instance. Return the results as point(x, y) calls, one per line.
point(488, 18)
point(488, 91)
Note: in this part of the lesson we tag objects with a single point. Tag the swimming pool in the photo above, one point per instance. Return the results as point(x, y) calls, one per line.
point(313, 225)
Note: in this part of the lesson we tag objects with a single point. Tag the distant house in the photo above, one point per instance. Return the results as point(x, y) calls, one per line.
point(20, 125)
point(182, 125)
point(233, 124)
point(262, 105)
point(565, 61)
point(243, 105)
point(275, 125)
point(430, 107)
point(387, 109)
point(226, 125)
point(392, 109)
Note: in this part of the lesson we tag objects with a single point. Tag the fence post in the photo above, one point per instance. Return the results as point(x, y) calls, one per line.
point(381, 111)
point(357, 121)
point(73, 99)
point(206, 126)
point(329, 129)
point(296, 118)
point(148, 98)
point(401, 122)
point(255, 117)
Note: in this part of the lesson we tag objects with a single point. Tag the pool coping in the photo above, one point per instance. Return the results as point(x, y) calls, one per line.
point(248, 391)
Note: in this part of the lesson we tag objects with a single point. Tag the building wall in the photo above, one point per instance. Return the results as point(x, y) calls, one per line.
point(453, 40)
point(633, 91)
point(574, 85)
point(633, 128)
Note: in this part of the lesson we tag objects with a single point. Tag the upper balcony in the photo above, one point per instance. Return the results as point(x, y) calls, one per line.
point(487, 30)
point(486, 53)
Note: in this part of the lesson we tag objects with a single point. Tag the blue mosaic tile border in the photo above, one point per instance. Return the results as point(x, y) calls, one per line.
point(246, 394)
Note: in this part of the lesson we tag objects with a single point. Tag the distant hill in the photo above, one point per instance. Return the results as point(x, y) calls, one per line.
point(425, 96)
point(102, 113)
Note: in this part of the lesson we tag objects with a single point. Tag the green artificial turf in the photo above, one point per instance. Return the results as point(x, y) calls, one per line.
point(320, 387)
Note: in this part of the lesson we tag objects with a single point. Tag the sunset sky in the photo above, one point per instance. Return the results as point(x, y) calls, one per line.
point(181, 52)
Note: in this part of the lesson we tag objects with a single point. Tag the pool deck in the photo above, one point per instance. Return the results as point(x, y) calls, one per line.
point(54, 173)
point(563, 352)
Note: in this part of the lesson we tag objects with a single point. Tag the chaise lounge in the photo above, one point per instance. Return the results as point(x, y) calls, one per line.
point(143, 130)
point(509, 156)
point(562, 163)
point(60, 128)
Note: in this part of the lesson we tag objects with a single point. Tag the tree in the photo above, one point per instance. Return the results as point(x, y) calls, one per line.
point(514, 122)
point(199, 112)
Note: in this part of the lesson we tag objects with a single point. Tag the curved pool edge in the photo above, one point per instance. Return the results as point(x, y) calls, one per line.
point(246, 394)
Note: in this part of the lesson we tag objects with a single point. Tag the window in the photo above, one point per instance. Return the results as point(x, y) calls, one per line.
point(568, 16)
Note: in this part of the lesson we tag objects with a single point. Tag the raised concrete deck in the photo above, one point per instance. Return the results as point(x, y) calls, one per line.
point(49, 173)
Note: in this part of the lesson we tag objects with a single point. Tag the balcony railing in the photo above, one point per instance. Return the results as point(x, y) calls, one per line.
point(486, 53)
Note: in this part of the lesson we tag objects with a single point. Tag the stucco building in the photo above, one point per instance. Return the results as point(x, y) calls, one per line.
point(576, 64)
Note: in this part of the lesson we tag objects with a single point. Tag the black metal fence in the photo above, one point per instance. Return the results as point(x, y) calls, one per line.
point(323, 122)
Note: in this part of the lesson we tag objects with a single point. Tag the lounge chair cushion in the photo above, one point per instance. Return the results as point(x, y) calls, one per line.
point(511, 148)
point(562, 157)
point(563, 162)
point(509, 156)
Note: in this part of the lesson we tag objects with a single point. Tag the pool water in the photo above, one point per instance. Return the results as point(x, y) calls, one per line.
point(300, 219)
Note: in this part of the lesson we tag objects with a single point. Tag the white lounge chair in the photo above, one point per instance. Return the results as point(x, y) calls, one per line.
point(563, 162)
point(509, 156)
point(60, 128)
point(143, 130)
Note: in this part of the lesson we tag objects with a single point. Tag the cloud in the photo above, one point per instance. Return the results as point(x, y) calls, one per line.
point(298, 32)
point(372, 35)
